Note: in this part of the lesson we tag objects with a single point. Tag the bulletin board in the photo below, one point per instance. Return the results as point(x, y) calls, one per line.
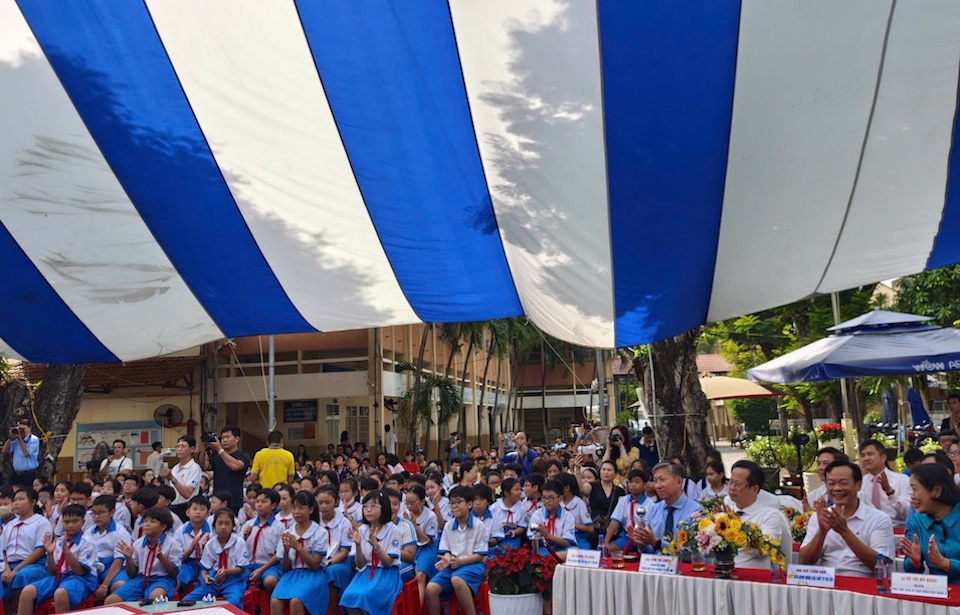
point(138, 435)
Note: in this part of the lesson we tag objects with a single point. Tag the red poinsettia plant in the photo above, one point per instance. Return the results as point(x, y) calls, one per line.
point(830, 431)
point(520, 571)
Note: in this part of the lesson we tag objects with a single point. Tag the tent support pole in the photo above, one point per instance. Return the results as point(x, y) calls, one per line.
point(835, 304)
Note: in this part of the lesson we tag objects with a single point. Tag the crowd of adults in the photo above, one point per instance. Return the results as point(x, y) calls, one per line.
point(290, 521)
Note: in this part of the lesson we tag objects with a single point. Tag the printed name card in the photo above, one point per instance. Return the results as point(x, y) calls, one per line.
point(924, 585)
point(658, 564)
point(583, 558)
point(813, 576)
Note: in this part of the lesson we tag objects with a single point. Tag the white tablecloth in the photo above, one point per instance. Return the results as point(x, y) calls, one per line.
point(579, 591)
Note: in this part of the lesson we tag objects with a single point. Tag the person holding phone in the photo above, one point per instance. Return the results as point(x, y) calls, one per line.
point(25, 449)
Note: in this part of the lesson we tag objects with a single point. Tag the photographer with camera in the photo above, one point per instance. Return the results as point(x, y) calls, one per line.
point(25, 448)
point(620, 452)
point(229, 463)
point(117, 461)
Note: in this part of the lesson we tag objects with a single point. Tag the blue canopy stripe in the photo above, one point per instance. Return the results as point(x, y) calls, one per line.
point(177, 171)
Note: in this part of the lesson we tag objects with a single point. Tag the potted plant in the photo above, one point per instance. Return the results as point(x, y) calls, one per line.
point(520, 581)
point(722, 534)
point(831, 433)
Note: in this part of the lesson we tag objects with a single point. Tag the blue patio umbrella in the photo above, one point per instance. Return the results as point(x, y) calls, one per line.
point(917, 412)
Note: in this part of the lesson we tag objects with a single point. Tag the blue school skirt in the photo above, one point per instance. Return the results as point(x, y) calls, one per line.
point(26, 576)
point(307, 586)
point(272, 571)
point(341, 573)
point(376, 595)
point(426, 559)
point(77, 587)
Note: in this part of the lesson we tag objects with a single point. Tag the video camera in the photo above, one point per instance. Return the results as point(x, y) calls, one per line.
point(209, 437)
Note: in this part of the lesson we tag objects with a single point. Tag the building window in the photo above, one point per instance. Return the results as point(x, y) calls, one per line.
point(358, 422)
point(333, 424)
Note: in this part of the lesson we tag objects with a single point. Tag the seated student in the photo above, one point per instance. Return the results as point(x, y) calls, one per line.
point(437, 500)
point(664, 516)
point(302, 548)
point(509, 516)
point(426, 528)
point(218, 501)
point(336, 529)
point(130, 486)
point(480, 508)
point(262, 535)
point(142, 500)
point(368, 484)
point(556, 525)
point(285, 508)
point(23, 547)
point(574, 505)
point(72, 570)
point(223, 565)
point(376, 554)
point(105, 534)
point(349, 504)
point(532, 485)
point(193, 536)
point(627, 512)
point(81, 495)
point(933, 531)
point(408, 536)
point(165, 497)
point(463, 550)
point(151, 561)
point(848, 535)
point(247, 511)
point(121, 514)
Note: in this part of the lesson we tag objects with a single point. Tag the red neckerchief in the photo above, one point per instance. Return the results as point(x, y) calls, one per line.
point(374, 560)
point(533, 506)
point(151, 558)
point(16, 539)
point(509, 520)
point(61, 561)
point(256, 538)
point(326, 526)
point(222, 564)
point(198, 551)
point(552, 522)
point(297, 559)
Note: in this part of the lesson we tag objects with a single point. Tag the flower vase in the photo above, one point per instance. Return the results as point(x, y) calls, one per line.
point(723, 565)
point(519, 604)
point(836, 443)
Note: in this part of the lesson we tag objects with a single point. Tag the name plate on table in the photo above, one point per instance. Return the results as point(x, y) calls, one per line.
point(812, 576)
point(923, 585)
point(584, 558)
point(658, 564)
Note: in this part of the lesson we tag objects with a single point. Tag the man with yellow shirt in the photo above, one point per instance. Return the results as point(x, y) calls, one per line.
point(273, 464)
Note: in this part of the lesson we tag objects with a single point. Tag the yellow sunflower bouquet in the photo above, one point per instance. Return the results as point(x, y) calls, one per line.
point(709, 532)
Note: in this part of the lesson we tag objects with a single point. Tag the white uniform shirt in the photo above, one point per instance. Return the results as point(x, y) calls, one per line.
point(389, 538)
point(106, 541)
point(562, 526)
point(264, 539)
point(186, 534)
point(465, 540)
point(354, 510)
point(187, 475)
point(336, 534)
point(870, 525)
point(895, 505)
point(313, 540)
point(428, 525)
point(23, 537)
point(83, 549)
point(771, 522)
point(143, 558)
point(236, 554)
point(578, 510)
point(507, 518)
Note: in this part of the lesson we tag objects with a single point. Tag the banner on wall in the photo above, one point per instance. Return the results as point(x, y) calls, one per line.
point(138, 435)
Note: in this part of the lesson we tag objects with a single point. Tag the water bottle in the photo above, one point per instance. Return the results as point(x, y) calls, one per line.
point(604, 553)
point(882, 574)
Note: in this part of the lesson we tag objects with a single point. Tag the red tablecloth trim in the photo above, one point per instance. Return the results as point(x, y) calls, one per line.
point(860, 585)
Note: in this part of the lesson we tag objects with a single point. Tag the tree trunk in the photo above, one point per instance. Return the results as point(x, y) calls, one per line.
point(416, 382)
point(683, 408)
point(483, 395)
point(496, 401)
point(55, 404)
point(462, 415)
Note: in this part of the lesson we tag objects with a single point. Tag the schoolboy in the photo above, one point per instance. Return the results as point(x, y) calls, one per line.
point(556, 525)
point(193, 536)
point(262, 535)
point(71, 565)
point(463, 550)
point(151, 561)
point(105, 534)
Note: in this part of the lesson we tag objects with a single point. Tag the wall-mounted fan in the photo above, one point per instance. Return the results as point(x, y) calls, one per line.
point(168, 415)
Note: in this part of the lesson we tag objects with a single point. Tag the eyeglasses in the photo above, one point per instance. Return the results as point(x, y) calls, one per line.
point(457, 502)
point(99, 513)
point(371, 506)
point(548, 498)
point(953, 453)
point(736, 484)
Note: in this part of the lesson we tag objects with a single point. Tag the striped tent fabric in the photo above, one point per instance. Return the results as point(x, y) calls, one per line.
point(176, 171)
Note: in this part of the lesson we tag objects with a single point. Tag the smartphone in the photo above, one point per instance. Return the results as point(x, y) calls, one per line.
point(146, 602)
point(186, 603)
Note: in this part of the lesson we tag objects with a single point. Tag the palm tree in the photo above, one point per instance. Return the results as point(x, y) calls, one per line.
point(416, 405)
point(496, 348)
point(474, 334)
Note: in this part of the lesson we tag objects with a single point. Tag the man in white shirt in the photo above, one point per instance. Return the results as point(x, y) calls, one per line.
point(825, 456)
point(389, 441)
point(155, 459)
point(119, 460)
point(848, 535)
point(746, 480)
point(888, 492)
point(184, 477)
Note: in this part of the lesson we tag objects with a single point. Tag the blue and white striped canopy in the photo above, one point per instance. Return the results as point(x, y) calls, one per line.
point(175, 171)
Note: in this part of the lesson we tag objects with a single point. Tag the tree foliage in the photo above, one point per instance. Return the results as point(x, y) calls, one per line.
point(756, 414)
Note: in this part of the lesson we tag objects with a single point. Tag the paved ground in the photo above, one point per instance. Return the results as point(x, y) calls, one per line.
point(731, 454)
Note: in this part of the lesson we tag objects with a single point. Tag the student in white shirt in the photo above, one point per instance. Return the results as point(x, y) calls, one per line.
point(302, 549)
point(556, 525)
point(223, 565)
point(105, 534)
point(262, 535)
point(509, 515)
point(463, 551)
point(426, 528)
point(349, 503)
point(376, 555)
point(151, 561)
point(336, 532)
point(848, 535)
point(23, 545)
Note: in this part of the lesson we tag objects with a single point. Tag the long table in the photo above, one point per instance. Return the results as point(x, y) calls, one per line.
point(578, 590)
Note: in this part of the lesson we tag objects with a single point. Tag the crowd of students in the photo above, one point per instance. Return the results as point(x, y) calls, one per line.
point(341, 535)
